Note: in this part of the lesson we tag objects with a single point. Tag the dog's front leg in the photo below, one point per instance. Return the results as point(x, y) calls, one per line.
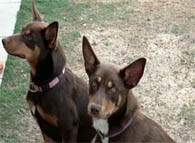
point(70, 135)
point(69, 124)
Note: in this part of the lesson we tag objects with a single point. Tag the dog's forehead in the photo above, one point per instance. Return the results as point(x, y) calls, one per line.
point(35, 26)
point(107, 71)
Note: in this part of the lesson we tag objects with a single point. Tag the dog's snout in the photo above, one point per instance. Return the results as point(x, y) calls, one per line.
point(4, 41)
point(95, 108)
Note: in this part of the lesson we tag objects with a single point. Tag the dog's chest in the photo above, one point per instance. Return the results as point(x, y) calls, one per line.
point(102, 126)
point(38, 112)
point(32, 105)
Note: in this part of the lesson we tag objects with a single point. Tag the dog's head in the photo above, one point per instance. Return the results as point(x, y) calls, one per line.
point(109, 86)
point(36, 40)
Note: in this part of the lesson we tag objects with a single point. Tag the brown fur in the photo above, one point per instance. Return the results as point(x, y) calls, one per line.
point(47, 117)
point(30, 103)
point(112, 99)
point(61, 111)
point(47, 139)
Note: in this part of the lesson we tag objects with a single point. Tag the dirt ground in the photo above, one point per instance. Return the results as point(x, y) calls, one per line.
point(165, 35)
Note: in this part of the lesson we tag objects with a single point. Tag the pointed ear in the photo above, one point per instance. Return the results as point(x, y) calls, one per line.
point(36, 15)
point(90, 59)
point(133, 73)
point(51, 33)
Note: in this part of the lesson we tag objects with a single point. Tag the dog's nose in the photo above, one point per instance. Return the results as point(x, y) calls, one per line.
point(4, 41)
point(95, 108)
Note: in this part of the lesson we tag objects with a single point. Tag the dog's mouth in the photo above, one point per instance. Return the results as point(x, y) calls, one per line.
point(19, 55)
point(22, 56)
point(99, 115)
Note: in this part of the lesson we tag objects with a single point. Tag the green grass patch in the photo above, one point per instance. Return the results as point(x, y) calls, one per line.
point(107, 43)
point(192, 17)
point(188, 113)
point(180, 29)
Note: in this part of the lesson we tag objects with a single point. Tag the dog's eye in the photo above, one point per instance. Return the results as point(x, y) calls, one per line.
point(28, 36)
point(113, 89)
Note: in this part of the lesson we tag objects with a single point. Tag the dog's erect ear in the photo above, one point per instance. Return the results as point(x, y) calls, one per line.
point(91, 61)
point(36, 15)
point(51, 33)
point(133, 73)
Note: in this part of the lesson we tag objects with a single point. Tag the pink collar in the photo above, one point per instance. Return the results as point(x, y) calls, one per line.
point(35, 88)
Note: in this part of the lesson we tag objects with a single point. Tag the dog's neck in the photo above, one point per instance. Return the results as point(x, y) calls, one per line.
point(49, 67)
point(118, 120)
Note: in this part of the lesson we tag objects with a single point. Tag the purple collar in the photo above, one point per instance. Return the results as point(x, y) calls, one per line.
point(102, 135)
point(36, 88)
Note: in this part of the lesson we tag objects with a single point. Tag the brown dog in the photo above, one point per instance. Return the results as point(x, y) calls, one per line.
point(58, 99)
point(112, 102)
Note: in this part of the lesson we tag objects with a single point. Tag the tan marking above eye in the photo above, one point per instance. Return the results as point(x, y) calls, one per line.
point(109, 84)
point(99, 79)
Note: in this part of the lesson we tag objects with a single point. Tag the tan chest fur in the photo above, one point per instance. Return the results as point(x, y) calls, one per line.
point(51, 119)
